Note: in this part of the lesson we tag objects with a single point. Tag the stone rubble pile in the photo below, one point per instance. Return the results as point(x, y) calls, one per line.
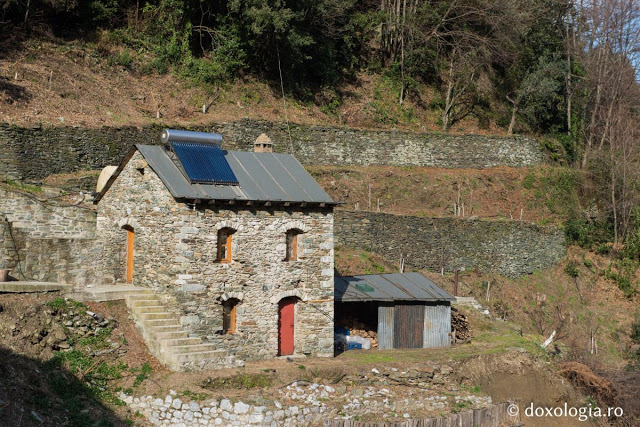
point(61, 329)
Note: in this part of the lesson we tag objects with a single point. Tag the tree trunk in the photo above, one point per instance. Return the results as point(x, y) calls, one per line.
point(26, 14)
point(613, 192)
point(514, 111)
point(402, 34)
point(448, 101)
point(569, 87)
point(513, 120)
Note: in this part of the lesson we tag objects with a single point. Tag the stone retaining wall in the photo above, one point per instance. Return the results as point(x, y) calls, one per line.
point(34, 153)
point(510, 248)
point(40, 217)
point(54, 242)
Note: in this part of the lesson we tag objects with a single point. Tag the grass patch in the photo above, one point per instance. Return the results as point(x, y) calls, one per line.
point(240, 382)
point(63, 304)
point(145, 372)
point(23, 186)
point(331, 375)
point(94, 373)
point(193, 395)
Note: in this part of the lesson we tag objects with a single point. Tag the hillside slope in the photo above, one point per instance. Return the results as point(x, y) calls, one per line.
point(90, 84)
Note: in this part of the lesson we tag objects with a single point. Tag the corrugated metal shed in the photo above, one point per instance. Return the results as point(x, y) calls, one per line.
point(388, 287)
point(262, 177)
point(385, 326)
point(413, 312)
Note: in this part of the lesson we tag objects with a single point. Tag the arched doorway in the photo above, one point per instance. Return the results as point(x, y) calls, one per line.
point(286, 326)
point(130, 245)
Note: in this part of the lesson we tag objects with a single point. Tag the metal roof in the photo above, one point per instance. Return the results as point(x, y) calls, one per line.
point(204, 163)
point(262, 177)
point(388, 287)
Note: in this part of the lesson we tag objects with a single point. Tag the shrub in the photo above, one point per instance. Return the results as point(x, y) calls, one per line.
point(635, 330)
point(588, 234)
point(571, 269)
point(623, 276)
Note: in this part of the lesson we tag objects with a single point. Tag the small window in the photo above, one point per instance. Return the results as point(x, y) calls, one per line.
point(229, 316)
point(224, 245)
point(292, 245)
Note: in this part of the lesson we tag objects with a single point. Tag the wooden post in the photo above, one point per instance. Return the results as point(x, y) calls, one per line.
point(488, 290)
point(455, 282)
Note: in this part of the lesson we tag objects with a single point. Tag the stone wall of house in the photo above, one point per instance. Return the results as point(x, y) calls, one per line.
point(46, 240)
point(175, 254)
point(510, 248)
point(32, 154)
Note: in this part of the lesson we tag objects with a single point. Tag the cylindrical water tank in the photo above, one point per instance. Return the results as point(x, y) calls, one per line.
point(189, 136)
point(104, 177)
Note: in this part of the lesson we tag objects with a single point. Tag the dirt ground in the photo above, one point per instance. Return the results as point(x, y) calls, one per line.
point(495, 193)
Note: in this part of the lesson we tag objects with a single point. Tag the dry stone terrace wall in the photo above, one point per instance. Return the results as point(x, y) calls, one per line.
point(175, 254)
point(32, 154)
point(510, 248)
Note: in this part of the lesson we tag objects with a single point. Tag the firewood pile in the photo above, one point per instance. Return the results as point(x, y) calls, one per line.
point(459, 325)
point(358, 328)
point(370, 335)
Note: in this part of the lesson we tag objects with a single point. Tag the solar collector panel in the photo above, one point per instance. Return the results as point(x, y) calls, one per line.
point(204, 163)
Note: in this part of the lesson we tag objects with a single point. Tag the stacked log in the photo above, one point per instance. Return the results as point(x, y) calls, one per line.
point(459, 325)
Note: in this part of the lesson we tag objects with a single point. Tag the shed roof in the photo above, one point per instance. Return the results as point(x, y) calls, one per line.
point(262, 177)
point(388, 287)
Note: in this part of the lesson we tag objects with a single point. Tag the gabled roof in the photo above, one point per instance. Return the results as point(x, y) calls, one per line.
point(262, 177)
point(388, 287)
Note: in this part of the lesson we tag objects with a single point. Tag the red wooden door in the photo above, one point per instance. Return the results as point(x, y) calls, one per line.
point(286, 326)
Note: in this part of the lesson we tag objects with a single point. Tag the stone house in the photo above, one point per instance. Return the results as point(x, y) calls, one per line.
point(238, 244)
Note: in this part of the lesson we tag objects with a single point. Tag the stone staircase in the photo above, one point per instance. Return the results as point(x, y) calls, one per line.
point(168, 341)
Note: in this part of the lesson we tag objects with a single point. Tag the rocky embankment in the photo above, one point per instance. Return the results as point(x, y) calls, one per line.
point(380, 394)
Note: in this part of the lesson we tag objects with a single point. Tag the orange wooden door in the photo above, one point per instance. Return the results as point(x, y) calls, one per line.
point(286, 326)
point(130, 240)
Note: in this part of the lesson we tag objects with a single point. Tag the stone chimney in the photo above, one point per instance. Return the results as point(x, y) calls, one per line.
point(263, 144)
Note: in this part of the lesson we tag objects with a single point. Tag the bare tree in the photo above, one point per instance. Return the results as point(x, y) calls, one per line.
point(611, 39)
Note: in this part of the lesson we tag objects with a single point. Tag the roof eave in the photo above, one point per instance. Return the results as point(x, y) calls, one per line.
point(260, 202)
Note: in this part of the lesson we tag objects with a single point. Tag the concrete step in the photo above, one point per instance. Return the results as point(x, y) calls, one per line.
point(202, 355)
point(171, 335)
point(194, 348)
point(132, 297)
point(110, 292)
point(150, 309)
point(160, 329)
point(145, 303)
point(176, 342)
point(156, 316)
point(162, 322)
